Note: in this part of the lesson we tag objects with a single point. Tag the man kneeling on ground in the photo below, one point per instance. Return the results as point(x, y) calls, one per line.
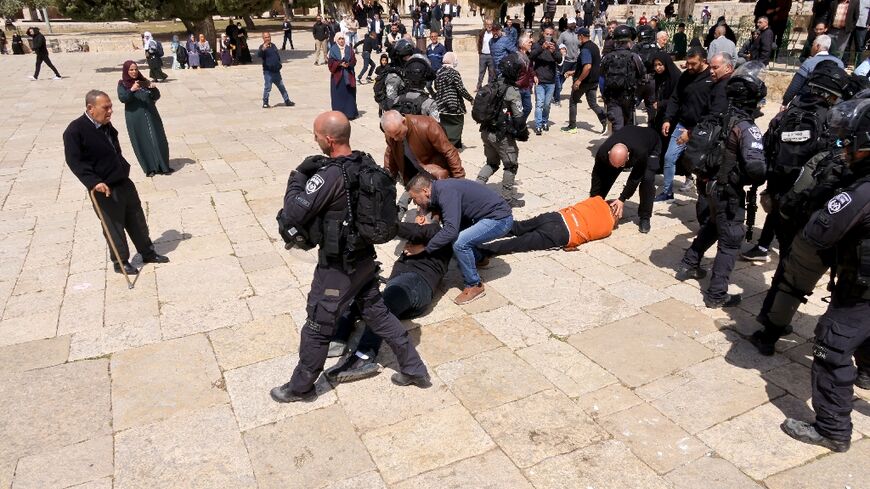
point(584, 221)
point(408, 294)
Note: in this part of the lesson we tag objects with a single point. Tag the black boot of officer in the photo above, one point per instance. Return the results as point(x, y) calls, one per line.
point(721, 205)
point(345, 274)
point(843, 332)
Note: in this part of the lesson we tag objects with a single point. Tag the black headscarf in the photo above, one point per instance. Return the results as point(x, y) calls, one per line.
point(667, 80)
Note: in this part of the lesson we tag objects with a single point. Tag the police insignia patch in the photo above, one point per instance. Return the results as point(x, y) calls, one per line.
point(313, 184)
point(756, 132)
point(839, 202)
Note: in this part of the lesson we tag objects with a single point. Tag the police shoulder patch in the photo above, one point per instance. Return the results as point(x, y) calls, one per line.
point(839, 202)
point(756, 132)
point(313, 184)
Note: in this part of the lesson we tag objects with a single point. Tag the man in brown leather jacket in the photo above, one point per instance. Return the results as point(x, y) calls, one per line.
point(417, 143)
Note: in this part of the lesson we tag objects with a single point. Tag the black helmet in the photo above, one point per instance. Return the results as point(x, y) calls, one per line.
point(623, 33)
point(646, 34)
point(746, 86)
point(828, 79)
point(856, 87)
point(849, 124)
point(418, 69)
point(510, 68)
point(403, 48)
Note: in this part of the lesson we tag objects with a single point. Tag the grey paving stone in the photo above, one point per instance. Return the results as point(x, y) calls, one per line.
point(829, 471)
point(252, 342)
point(34, 354)
point(67, 466)
point(711, 473)
point(196, 449)
point(308, 450)
point(492, 470)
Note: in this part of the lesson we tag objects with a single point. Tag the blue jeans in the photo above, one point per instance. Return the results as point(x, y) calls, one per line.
point(543, 97)
point(273, 77)
point(557, 93)
point(526, 99)
point(367, 63)
point(465, 246)
point(597, 35)
point(671, 156)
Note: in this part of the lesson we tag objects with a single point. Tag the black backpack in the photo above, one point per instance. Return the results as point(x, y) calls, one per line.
point(380, 88)
point(486, 109)
point(373, 211)
point(409, 104)
point(620, 73)
point(795, 140)
point(159, 50)
point(705, 151)
point(181, 54)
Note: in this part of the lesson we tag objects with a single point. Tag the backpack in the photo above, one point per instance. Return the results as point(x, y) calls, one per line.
point(373, 212)
point(705, 151)
point(181, 54)
point(380, 88)
point(795, 140)
point(486, 109)
point(620, 74)
point(159, 50)
point(410, 102)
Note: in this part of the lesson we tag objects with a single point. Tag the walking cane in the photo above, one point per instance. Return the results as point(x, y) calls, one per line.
point(109, 238)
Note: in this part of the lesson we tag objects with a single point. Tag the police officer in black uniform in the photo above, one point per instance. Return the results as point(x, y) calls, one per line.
point(316, 204)
point(646, 47)
point(622, 71)
point(721, 205)
point(841, 229)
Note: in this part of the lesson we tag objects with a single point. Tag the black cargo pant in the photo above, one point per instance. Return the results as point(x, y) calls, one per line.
point(122, 212)
point(620, 112)
point(43, 58)
point(591, 94)
point(842, 332)
point(332, 292)
point(546, 231)
point(604, 175)
point(721, 212)
point(646, 92)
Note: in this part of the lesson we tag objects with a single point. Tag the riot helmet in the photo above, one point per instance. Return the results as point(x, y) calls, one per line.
point(403, 48)
point(746, 86)
point(646, 35)
point(828, 79)
point(855, 86)
point(418, 70)
point(510, 68)
point(849, 125)
point(623, 33)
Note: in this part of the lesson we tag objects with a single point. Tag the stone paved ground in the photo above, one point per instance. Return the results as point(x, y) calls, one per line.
point(586, 369)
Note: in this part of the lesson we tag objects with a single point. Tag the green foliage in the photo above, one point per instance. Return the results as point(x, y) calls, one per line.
point(9, 8)
point(242, 7)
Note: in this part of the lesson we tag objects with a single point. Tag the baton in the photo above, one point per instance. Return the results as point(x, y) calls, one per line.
point(109, 238)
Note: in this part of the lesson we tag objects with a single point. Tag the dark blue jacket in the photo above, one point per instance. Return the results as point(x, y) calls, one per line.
point(462, 203)
point(271, 58)
point(503, 46)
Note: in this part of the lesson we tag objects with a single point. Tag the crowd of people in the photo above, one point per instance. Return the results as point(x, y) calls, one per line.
point(813, 161)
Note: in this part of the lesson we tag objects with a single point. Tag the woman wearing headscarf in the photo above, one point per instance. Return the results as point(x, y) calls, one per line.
point(226, 51)
point(665, 74)
point(153, 55)
point(173, 47)
point(449, 93)
point(342, 82)
point(192, 52)
point(144, 125)
point(206, 58)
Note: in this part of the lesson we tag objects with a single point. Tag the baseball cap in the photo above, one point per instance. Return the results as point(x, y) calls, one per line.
point(583, 31)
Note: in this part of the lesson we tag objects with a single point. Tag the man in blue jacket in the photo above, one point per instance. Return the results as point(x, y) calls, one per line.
point(272, 71)
point(471, 214)
point(502, 45)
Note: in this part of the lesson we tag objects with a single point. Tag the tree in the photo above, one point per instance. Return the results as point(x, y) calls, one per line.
point(11, 8)
point(493, 6)
point(687, 8)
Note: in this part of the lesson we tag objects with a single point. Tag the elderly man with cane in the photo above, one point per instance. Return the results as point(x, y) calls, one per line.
point(93, 153)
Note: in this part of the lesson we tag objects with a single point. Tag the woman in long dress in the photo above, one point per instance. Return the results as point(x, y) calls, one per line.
point(342, 82)
point(206, 59)
point(144, 125)
point(192, 53)
point(152, 56)
point(449, 93)
point(226, 47)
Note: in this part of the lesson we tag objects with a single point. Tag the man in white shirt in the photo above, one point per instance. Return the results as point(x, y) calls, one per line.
point(721, 44)
point(485, 64)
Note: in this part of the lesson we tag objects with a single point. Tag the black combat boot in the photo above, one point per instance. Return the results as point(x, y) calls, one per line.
point(285, 394)
point(806, 432)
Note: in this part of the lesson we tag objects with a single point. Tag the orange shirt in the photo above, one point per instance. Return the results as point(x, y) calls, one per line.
point(587, 221)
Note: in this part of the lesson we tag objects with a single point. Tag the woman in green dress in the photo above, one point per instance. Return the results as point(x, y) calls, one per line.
point(143, 121)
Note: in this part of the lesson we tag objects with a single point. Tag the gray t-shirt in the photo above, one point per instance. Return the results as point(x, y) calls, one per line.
point(572, 43)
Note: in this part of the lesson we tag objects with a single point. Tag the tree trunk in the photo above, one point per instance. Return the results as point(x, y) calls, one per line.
point(191, 29)
point(249, 22)
point(206, 27)
point(288, 8)
point(686, 9)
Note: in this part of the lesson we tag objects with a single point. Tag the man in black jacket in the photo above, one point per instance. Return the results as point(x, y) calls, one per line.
point(40, 48)
point(689, 102)
point(321, 35)
point(545, 57)
point(586, 82)
point(409, 292)
point(762, 46)
point(721, 68)
point(93, 154)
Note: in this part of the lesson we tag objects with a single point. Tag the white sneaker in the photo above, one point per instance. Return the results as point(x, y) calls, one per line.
point(57, 78)
point(31, 78)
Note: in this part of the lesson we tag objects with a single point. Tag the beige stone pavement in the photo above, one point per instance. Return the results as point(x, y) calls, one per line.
point(586, 369)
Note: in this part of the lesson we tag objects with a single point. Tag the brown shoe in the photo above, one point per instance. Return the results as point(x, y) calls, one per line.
point(483, 264)
point(469, 294)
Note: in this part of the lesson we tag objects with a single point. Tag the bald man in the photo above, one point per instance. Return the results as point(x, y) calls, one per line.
point(315, 204)
point(635, 149)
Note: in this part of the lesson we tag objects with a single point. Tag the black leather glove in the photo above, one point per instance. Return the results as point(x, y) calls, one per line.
point(311, 165)
point(522, 134)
